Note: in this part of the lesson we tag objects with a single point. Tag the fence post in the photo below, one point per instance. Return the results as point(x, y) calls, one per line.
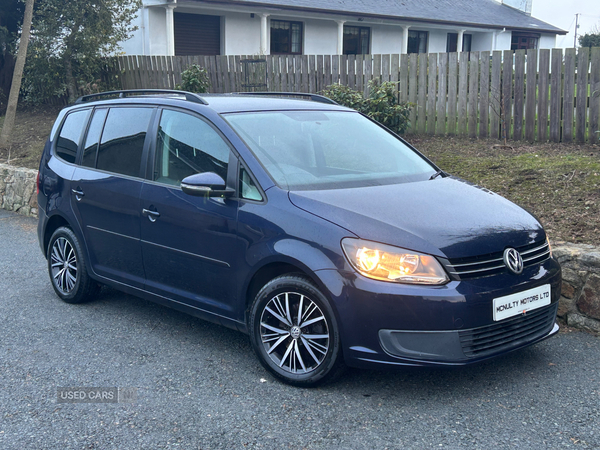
point(496, 95)
point(530, 93)
point(582, 94)
point(440, 127)
point(595, 95)
point(463, 89)
point(568, 96)
point(519, 93)
point(556, 94)
point(542, 109)
point(484, 94)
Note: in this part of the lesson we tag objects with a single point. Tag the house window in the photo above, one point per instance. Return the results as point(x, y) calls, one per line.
point(524, 41)
point(356, 40)
point(452, 42)
point(286, 37)
point(417, 41)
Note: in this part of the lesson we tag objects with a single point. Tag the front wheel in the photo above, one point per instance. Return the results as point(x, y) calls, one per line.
point(294, 332)
point(67, 268)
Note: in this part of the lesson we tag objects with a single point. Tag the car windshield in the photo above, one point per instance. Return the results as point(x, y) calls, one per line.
point(309, 150)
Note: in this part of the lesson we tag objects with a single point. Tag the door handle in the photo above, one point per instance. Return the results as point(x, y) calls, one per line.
point(151, 215)
point(78, 193)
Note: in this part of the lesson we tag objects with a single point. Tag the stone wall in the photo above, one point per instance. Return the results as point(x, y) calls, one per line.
point(580, 300)
point(18, 190)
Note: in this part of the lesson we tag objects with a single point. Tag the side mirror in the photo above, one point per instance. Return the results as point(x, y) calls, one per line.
point(207, 184)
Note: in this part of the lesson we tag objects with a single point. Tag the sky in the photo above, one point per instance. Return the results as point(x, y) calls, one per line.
point(561, 14)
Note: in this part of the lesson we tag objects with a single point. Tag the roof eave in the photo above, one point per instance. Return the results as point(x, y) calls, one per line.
point(377, 16)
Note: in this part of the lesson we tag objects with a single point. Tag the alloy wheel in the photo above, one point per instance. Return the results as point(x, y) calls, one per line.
point(294, 332)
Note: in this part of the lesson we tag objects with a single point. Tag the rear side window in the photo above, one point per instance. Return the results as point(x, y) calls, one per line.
point(122, 142)
point(90, 149)
point(70, 133)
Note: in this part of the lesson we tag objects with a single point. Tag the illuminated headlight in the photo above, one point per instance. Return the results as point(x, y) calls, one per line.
point(387, 263)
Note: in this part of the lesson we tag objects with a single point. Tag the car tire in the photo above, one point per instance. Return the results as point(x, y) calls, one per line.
point(294, 332)
point(68, 269)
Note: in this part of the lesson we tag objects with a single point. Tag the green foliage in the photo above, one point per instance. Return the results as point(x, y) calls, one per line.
point(194, 79)
point(344, 96)
point(381, 105)
point(590, 39)
point(69, 45)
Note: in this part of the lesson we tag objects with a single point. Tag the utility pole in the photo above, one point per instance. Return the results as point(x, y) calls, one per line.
point(576, 28)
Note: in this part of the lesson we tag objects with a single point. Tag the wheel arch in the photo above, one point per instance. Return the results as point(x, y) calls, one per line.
point(54, 223)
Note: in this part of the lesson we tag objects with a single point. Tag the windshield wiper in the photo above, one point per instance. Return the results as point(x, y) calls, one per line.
point(437, 174)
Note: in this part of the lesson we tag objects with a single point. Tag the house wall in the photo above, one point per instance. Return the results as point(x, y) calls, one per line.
point(503, 40)
point(135, 44)
point(482, 42)
point(437, 40)
point(386, 39)
point(320, 37)
point(547, 41)
point(157, 37)
point(241, 34)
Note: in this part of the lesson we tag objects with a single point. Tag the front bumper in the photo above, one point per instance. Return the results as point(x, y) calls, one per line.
point(387, 324)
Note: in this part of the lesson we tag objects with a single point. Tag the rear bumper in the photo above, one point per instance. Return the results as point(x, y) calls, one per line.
point(42, 221)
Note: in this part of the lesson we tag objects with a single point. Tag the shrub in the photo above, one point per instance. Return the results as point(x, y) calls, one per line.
point(194, 79)
point(381, 105)
point(384, 107)
point(344, 96)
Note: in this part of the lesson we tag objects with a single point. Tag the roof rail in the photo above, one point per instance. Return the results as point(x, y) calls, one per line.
point(305, 95)
point(189, 96)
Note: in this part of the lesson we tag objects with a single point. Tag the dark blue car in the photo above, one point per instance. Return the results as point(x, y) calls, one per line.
point(321, 234)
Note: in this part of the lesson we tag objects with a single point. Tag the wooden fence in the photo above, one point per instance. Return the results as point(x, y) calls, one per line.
point(527, 95)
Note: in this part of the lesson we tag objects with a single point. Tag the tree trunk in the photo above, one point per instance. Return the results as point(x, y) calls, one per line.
point(13, 97)
point(70, 79)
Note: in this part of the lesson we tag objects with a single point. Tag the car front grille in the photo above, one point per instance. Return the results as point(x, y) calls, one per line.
point(490, 264)
point(509, 333)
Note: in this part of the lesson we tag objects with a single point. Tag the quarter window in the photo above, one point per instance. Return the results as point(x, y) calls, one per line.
point(122, 143)
point(70, 134)
point(248, 189)
point(286, 37)
point(187, 145)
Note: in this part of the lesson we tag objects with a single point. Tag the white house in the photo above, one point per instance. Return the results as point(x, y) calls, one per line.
point(329, 27)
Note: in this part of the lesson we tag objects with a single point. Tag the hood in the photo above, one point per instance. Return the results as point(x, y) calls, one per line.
point(446, 217)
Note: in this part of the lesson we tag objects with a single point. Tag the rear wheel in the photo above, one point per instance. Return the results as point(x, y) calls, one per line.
point(68, 269)
point(294, 332)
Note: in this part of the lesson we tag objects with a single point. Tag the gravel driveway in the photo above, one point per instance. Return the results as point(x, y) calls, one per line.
point(199, 385)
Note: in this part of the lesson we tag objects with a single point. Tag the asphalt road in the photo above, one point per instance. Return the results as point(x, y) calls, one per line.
point(199, 385)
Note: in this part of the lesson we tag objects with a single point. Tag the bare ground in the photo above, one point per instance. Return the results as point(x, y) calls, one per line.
point(558, 183)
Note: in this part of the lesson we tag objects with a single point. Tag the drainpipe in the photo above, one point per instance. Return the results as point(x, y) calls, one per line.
point(340, 39)
point(459, 41)
point(496, 34)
